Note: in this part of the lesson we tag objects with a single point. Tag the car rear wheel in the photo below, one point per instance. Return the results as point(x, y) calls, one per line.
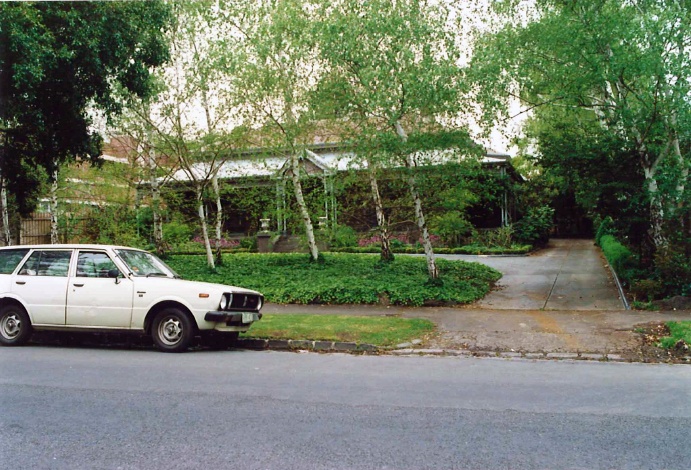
point(15, 326)
point(172, 330)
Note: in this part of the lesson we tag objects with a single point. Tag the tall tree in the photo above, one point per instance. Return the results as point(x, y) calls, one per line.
point(277, 69)
point(628, 63)
point(58, 61)
point(192, 120)
point(394, 73)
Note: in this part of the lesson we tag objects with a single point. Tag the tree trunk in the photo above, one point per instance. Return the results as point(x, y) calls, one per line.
point(219, 218)
point(307, 221)
point(432, 270)
point(657, 211)
point(205, 230)
point(54, 239)
point(155, 204)
point(386, 254)
point(7, 234)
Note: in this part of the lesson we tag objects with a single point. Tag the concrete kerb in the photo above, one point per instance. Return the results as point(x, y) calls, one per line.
point(305, 345)
point(355, 348)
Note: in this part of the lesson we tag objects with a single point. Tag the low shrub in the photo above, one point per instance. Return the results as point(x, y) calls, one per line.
point(535, 227)
point(452, 227)
point(343, 236)
point(495, 238)
point(606, 227)
point(344, 278)
point(461, 250)
point(620, 258)
point(177, 233)
point(673, 269)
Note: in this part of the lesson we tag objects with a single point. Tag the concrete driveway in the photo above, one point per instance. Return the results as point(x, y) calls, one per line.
point(567, 275)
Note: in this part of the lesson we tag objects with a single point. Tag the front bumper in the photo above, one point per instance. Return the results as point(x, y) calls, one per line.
point(233, 318)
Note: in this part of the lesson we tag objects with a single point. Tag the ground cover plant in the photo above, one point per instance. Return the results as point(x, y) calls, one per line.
point(379, 331)
point(678, 331)
point(344, 278)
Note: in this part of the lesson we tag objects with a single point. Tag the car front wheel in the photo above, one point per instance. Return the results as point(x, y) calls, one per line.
point(15, 326)
point(172, 330)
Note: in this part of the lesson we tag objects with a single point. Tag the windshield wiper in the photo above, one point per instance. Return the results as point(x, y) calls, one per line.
point(157, 274)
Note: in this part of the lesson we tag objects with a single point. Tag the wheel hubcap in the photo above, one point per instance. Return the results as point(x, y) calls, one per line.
point(170, 331)
point(11, 326)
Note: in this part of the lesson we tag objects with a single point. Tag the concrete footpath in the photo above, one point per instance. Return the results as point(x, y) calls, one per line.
point(560, 302)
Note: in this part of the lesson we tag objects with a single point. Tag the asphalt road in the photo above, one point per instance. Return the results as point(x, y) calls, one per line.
point(103, 408)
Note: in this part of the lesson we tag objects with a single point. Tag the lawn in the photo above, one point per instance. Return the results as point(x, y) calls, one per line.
point(379, 331)
point(677, 330)
point(344, 278)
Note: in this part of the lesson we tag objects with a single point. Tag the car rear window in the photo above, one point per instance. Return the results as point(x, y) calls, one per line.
point(9, 259)
point(47, 263)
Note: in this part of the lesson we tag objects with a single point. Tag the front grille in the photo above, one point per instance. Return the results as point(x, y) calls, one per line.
point(244, 302)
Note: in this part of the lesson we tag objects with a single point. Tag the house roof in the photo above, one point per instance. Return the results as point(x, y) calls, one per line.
point(323, 158)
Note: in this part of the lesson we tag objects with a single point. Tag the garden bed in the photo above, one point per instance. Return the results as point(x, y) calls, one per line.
point(344, 278)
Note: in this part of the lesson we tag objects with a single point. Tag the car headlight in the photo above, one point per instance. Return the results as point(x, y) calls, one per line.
point(225, 301)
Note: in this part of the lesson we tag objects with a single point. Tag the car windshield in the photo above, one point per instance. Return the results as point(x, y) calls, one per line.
point(142, 263)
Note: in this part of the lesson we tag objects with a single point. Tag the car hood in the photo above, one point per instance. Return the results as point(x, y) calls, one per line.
point(184, 284)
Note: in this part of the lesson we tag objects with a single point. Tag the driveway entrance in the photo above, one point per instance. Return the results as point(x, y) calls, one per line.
point(567, 275)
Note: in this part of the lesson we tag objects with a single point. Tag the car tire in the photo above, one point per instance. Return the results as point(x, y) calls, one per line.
point(221, 341)
point(15, 326)
point(172, 330)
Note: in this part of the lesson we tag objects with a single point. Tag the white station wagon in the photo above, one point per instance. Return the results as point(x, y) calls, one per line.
point(113, 288)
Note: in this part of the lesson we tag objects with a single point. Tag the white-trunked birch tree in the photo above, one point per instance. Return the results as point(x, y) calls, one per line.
point(193, 121)
point(5, 210)
point(277, 70)
point(394, 67)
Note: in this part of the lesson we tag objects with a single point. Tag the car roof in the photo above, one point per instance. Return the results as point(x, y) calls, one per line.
point(68, 246)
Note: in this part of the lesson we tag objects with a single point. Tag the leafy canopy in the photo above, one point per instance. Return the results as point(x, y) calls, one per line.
point(58, 61)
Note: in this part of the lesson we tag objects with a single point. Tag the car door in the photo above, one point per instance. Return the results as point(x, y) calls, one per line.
point(41, 283)
point(94, 297)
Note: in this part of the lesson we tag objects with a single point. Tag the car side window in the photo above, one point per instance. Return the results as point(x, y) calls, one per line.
point(47, 263)
point(94, 264)
point(9, 259)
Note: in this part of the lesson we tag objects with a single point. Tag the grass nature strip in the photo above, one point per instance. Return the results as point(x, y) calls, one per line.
point(379, 331)
point(344, 278)
point(677, 331)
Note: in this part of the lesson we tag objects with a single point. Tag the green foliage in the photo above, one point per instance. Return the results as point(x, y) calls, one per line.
point(673, 270)
point(111, 226)
point(343, 236)
point(608, 84)
point(379, 331)
point(535, 227)
point(249, 243)
point(513, 249)
point(60, 59)
point(678, 331)
point(176, 233)
point(620, 258)
point(646, 289)
point(495, 238)
point(606, 227)
point(344, 278)
point(453, 228)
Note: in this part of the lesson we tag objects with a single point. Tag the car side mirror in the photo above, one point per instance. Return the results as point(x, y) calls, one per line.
point(114, 274)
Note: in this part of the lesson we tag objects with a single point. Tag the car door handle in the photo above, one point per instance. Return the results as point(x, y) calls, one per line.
point(78, 285)
point(21, 283)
